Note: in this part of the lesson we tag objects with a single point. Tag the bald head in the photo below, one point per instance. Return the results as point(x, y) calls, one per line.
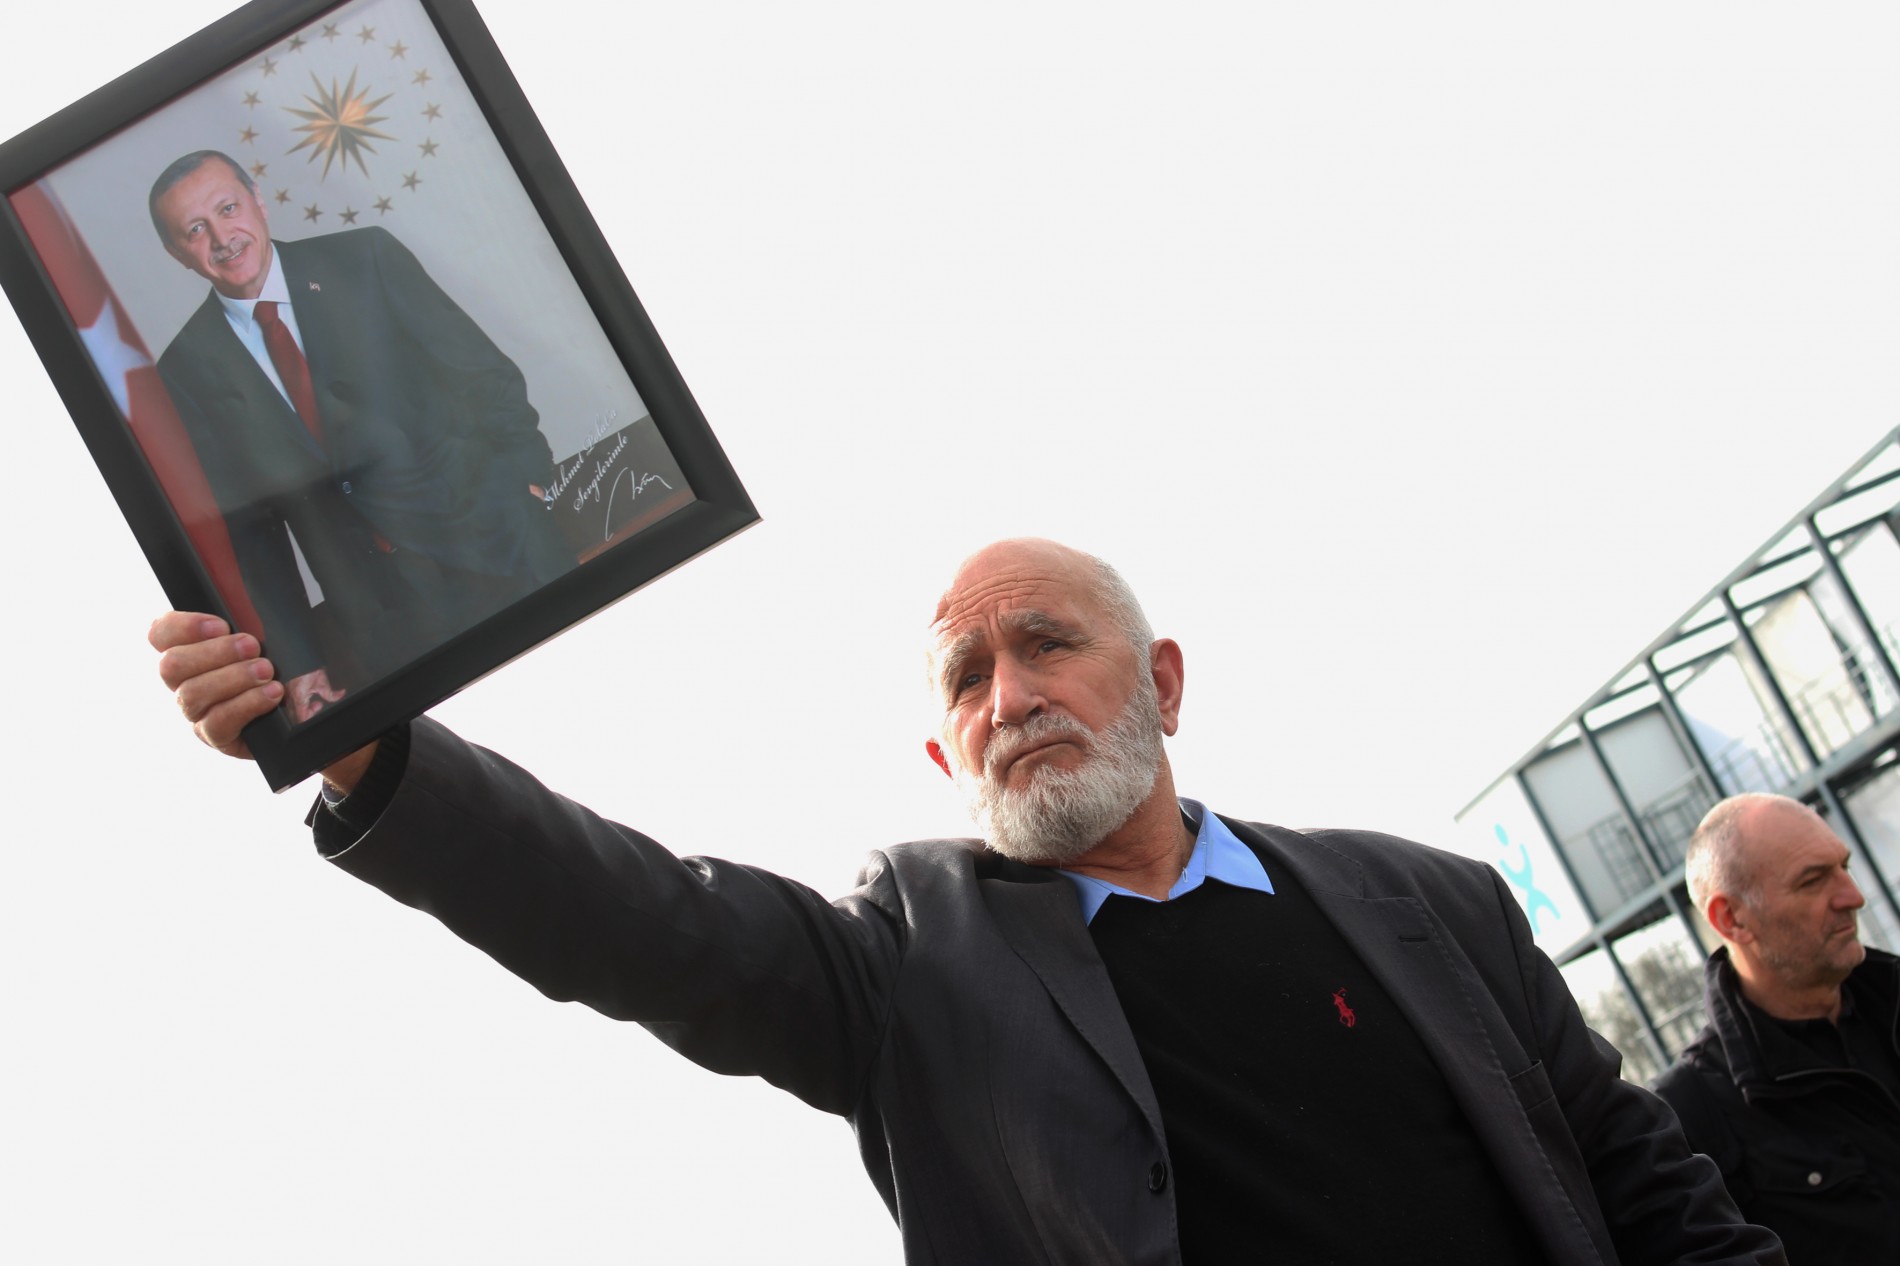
point(1772, 880)
point(978, 575)
point(1719, 854)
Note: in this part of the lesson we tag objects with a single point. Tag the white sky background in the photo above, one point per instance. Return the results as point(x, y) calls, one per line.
point(1417, 365)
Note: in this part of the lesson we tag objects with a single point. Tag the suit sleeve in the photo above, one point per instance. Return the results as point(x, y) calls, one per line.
point(1699, 1106)
point(743, 971)
point(1662, 1202)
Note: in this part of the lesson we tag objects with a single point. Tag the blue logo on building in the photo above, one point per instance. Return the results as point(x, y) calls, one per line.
point(1536, 900)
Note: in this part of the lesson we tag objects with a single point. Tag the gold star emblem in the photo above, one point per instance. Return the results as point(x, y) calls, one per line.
point(296, 43)
point(283, 196)
point(421, 77)
point(348, 216)
point(398, 49)
point(311, 213)
point(367, 35)
point(247, 136)
point(269, 67)
point(428, 149)
point(250, 98)
point(341, 125)
point(432, 111)
point(258, 170)
point(329, 30)
point(383, 206)
point(411, 181)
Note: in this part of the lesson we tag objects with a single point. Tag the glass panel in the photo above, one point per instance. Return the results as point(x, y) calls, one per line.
point(1712, 633)
point(1672, 817)
point(1666, 967)
point(1823, 679)
point(1607, 1008)
point(1872, 566)
point(1663, 784)
point(1610, 864)
point(1797, 563)
point(1724, 708)
point(1631, 701)
point(1862, 670)
point(1871, 499)
point(1874, 807)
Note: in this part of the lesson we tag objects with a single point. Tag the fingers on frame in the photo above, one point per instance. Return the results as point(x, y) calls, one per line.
point(218, 716)
point(201, 693)
point(180, 664)
point(179, 628)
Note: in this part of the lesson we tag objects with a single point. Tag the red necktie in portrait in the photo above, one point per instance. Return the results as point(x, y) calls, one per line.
point(288, 359)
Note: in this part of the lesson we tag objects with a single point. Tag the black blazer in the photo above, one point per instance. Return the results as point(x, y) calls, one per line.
point(954, 1008)
point(430, 442)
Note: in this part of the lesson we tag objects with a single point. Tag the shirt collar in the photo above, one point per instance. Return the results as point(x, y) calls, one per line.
point(1217, 855)
point(275, 289)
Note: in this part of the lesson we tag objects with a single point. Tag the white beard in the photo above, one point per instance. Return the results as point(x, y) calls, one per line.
point(1063, 813)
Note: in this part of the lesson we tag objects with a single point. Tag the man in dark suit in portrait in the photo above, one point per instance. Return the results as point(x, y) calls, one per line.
point(1120, 1028)
point(339, 399)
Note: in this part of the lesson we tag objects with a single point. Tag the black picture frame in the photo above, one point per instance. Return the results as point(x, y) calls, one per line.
point(178, 532)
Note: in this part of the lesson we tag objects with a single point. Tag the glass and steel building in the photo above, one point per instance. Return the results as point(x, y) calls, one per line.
point(1781, 678)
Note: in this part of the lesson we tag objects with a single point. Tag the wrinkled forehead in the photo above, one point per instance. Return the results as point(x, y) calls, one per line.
point(994, 601)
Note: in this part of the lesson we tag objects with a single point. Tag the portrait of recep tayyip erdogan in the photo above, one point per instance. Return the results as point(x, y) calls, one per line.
point(375, 455)
point(375, 397)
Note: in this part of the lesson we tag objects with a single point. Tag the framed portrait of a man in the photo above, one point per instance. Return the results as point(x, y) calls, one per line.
point(353, 356)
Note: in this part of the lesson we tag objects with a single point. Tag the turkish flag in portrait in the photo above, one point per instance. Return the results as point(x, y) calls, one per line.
point(128, 371)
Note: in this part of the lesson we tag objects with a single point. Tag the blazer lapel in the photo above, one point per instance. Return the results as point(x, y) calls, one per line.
point(229, 370)
point(306, 297)
point(1396, 939)
point(1402, 944)
point(1039, 918)
point(1406, 947)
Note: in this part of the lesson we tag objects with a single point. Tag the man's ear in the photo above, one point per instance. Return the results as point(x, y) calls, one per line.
point(1164, 660)
point(936, 753)
point(1725, 918)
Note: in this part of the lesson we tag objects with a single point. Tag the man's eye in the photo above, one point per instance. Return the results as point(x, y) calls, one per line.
point(964, 685)
point(1051, 644)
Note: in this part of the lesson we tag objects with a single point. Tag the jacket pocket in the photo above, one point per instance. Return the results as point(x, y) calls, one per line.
point(1532, 1087)
point(1787, 1167)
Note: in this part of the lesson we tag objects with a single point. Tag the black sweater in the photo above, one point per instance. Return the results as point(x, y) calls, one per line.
point(1305, 1120)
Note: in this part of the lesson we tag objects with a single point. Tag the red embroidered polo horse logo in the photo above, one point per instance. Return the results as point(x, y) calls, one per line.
point(1346, 1016)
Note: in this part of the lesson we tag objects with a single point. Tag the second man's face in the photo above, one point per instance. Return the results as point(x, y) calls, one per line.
point(215, 226)
point(1805, 918)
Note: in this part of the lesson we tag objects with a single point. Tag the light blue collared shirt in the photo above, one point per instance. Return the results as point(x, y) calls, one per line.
point(242, 314)
point(1217, 855)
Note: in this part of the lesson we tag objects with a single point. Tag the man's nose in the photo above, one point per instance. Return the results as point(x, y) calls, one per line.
point(1015, 693)
point(1848, 896)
